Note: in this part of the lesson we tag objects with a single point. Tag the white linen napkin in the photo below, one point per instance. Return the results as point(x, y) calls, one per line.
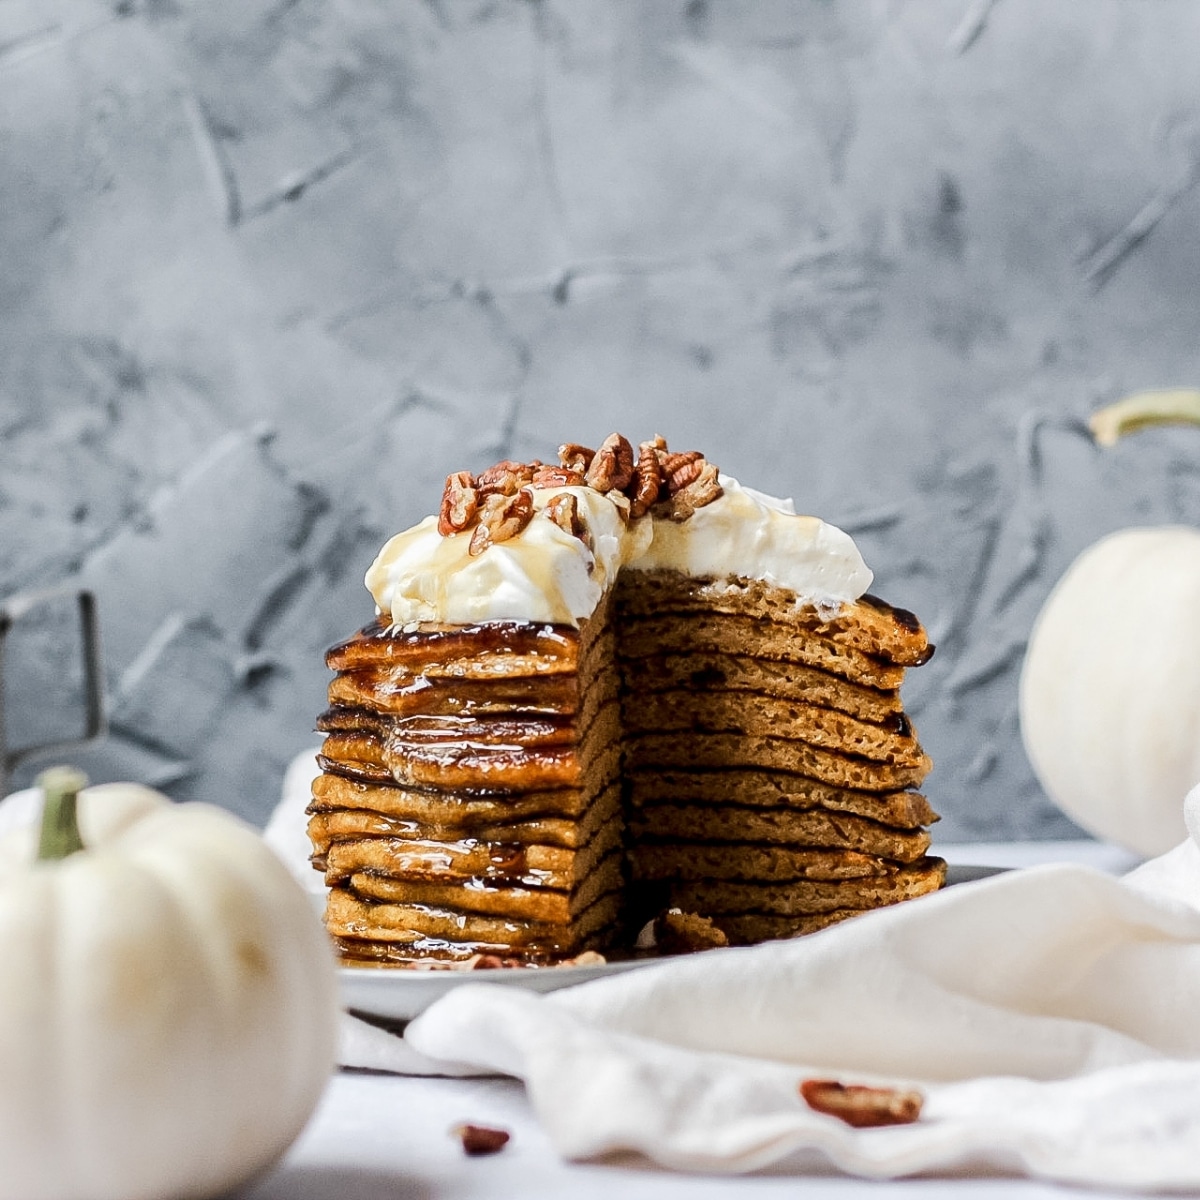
point(1051, 1016)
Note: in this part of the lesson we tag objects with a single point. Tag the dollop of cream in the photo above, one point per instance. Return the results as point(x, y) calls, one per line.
point(545, 574)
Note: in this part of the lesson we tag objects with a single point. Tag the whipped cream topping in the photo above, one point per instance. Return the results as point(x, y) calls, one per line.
point(546, 574)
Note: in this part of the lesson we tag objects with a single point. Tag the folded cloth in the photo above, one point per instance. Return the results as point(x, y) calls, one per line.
point(1047, 1015)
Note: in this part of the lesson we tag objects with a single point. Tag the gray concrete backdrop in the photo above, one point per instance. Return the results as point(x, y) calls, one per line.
point(269, 270)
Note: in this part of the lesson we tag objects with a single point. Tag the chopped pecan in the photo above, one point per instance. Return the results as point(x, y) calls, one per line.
point(460, 504)
point(575, 456)
point(702, 490)
point(677, 932)
point(549, 477)
point(479, 1139)
point(646, 485)
point(588, 958)
point(505, 478)
point(492, 962)
point(501, 518)
point(862, 1107)
point(612, 468)
point(564, 512)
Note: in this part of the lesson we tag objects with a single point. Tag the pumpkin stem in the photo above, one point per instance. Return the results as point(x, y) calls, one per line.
point(60, 823)
point(1177, 406)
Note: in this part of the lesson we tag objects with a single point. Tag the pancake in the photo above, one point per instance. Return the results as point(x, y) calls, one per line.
point(801, 897)
point(348, 915)
point(513, 901)
point(470, 861)
point(455, 810)
point(747, 929)
point(715, 711)
point(747, 862)
point(868, 625)
point(771, 641)
point(706, 671)
point(774, 789)
point(722, 751)
point(728, 824)
point(338, 824)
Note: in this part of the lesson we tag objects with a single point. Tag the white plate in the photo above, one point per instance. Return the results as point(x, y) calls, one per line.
point(399, 994)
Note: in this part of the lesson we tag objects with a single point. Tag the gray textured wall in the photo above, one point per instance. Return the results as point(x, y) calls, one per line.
point(271, 269)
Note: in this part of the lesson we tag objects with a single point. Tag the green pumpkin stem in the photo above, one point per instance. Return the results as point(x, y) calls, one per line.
point(1177, 406)
point(60, 822)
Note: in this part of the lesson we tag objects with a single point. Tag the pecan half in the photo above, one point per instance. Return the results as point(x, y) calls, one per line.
point(548, 477)
point(702, 490)
point(575, 456)
point(504, 478)
point(612, 468)
point(646, 485)
point(862, 1107)
point(501, 518)
point(678, 465)
point(479, 1139)
point(685, 475)
point(460, 504)
point(564, 512)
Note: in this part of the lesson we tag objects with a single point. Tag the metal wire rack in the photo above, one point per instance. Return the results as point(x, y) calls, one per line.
point(96, 723)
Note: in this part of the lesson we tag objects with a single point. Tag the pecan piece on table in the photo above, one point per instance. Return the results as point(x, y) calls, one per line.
point(862, 1107)
point(501, 518)
point(646, 485)
point(460, 504)
point(479, 1139)
point(612, 468)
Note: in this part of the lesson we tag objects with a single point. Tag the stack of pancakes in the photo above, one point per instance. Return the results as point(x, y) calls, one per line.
point(534, 791)
point(769, 763)
point(470, 802)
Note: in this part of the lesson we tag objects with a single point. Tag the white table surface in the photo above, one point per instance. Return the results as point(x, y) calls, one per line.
point(385, 1137)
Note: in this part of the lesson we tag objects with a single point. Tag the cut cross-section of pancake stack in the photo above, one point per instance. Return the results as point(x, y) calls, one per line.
point(470, 801)
point(770, 764)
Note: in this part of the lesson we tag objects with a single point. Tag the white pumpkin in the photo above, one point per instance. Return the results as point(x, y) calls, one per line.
point(168, 1005)
point(1110, 690)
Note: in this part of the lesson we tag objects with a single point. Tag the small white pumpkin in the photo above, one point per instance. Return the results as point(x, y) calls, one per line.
point(168, 1004)
point(1110, 691)
point(1110, 688)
